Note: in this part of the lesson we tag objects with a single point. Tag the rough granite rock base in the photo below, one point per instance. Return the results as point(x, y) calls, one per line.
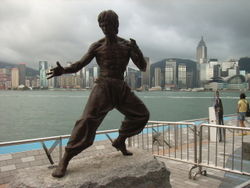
point(111, 170)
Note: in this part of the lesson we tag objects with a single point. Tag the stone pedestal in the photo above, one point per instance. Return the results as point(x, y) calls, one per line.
point(112, 170)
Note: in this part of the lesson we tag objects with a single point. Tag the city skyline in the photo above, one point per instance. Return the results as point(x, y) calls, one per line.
point(31, 31)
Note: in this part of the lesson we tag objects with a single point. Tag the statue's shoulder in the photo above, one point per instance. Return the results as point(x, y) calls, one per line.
point(124, 42)
point(96, 44)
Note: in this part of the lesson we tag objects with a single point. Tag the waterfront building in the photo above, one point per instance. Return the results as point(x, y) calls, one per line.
point(87, 85)
point(51, 81)
point(5, 78)
point(91, 77)
point(158, 77)
point(27, 83)
point(35, 82)
point(236, 82)
point(201, 58)
point(43, 67)
point(67, 81)
point(83, 77)
point(22, 73)
point(175, 73)
point(170, 74)
point(95, 72)
point(14, 78)
point(201, 52)
point(133, 78)
point(182, 76)
point(226, 65)
point(145, 76)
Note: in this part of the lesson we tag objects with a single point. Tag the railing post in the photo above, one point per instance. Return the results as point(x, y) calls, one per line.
point(200, 149)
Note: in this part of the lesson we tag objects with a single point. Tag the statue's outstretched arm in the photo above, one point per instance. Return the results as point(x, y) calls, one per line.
point(137, 56)
point(85, 60)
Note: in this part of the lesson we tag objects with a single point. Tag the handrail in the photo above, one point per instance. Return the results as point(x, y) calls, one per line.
point(26, 141)
point(224, 126)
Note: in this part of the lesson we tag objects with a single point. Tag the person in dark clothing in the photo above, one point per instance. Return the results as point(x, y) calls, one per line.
point(218, 107)
point(112, 54)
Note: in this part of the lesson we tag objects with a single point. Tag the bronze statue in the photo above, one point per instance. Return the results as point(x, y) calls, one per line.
point(112, 54)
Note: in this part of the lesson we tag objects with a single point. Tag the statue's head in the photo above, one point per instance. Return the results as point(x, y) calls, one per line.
point(108, 22)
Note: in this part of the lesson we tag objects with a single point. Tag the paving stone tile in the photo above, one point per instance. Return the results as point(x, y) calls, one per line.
point(28, 159)
point(5, 157)
point(8, 168)
point(100, 147)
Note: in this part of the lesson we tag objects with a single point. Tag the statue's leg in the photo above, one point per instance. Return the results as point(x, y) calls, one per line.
point(83, 134)
point(136, 117)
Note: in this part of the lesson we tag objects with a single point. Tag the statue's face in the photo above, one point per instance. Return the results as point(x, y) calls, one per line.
point(107, 28)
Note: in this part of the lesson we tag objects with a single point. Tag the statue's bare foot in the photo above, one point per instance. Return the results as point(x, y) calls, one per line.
point(60, 171)
point(121, 146)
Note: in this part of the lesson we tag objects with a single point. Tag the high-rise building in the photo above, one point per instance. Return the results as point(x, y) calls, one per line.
point(170, 74)
point(83, 77)
point(158, 77)
point(182, 76)
point(95, 72)
point(14, 77)
point(201, 52)
point(51, 81)
point(87, 85)
point(22, 73)
point(133, 78)
point(201, 57)
point(175, 73)
point(5, 78)
point(43, 67)
point(145, 76)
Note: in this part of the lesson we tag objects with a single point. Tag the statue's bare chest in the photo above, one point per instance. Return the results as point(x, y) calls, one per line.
point(113, 52)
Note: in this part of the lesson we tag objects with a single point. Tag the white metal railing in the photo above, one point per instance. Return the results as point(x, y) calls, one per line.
point(57, 141)
point(227, 155)
point(172, 140)
point(179, 141)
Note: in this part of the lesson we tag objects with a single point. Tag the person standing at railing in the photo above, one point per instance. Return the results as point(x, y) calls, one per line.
point(110, 91)
point(218, 107)
point(242, 108)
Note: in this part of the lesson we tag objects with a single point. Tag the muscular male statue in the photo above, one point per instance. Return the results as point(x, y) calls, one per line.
point(112, 54)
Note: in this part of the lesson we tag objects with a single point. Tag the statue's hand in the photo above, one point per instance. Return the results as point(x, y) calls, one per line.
point(57, 71)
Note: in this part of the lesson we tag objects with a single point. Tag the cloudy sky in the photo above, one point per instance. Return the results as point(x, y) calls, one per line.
point(62, 30)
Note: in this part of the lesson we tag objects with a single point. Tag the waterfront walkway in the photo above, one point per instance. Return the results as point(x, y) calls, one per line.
point(10, 163)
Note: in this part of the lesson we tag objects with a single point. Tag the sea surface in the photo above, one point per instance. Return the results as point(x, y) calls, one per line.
point(35, 114)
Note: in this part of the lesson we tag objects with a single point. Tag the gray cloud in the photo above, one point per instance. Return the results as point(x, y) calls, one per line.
point(33, 30)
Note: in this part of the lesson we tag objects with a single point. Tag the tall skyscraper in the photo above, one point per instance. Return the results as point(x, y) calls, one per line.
point(14, 77)
point(170, 73)
point(201, 52)
point(5, 78)
point(158, 76)
point(182, 76)
point(201, 57)
point(22, 73)
point(83, 77)
point(51, 82)
point(146, 76)
point(43, 66)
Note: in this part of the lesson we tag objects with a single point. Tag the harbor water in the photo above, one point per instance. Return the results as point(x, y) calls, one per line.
point(35, 114)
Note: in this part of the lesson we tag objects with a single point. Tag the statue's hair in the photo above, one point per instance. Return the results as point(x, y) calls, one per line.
point(110, 17)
